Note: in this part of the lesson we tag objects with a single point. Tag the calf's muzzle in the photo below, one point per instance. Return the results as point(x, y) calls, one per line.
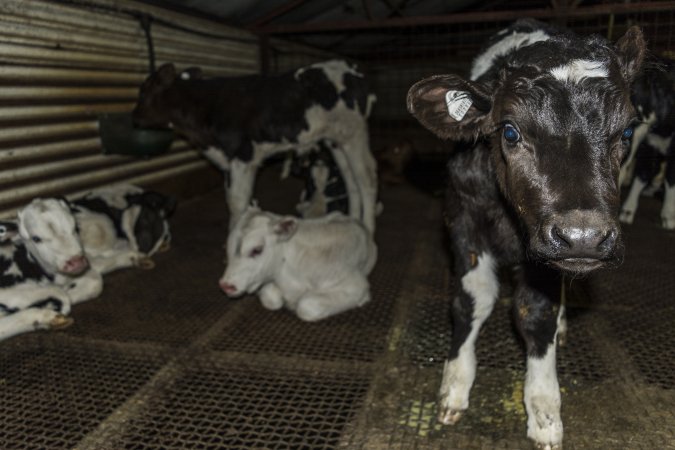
point(579, 240)
point(76, 265)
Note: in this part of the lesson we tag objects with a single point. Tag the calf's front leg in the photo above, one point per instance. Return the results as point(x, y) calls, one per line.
point(271, 297)
point(239, 188)
point(32, 306)
point(82, 288)
point(472, 306)
point(538, 315)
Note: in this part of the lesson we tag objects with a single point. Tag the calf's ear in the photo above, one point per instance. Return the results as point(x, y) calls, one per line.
point(631, 48)
point(450, 107)
point(166, 74)
point(285, 228)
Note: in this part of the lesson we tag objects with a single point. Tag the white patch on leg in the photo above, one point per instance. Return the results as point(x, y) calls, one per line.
point(578, 69)
point(240, 191)
point(660, 143)
point(542, 400)
point(482, 285)
point(630, 205)
point(668, 210)
point(218, 158)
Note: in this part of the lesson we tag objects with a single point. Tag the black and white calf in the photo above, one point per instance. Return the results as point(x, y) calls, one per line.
point(653, 141)
point(315, 267)
point(244, 120)
point(324, 190)
point(122, 226)
point(545, 118)
point(43, 269)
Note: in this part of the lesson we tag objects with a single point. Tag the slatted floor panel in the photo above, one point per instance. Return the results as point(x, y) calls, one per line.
point(164, 361)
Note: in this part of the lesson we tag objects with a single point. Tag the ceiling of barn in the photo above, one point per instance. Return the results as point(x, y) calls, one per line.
point(366, 28)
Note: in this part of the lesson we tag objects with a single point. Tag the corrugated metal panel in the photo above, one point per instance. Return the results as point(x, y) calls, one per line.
point(285, 55)
point(64, 62)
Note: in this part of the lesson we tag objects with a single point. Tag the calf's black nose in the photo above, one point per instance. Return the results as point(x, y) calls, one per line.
point(583, 242)
point(580, 234)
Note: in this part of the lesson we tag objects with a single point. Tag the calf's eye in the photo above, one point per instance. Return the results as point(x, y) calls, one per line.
point(510, 133)
point(256, 251)
point(36, 239)
point(627, 133)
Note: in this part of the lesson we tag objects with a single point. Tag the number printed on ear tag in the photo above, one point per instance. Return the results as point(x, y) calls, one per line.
point(458, 103)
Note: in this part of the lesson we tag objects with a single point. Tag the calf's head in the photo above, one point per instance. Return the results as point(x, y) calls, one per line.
point(254, 250)
point(50, 234)
point(557, 118)
point(150, 110)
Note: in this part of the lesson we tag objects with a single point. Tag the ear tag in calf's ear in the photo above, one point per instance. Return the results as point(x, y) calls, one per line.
point(458, 103)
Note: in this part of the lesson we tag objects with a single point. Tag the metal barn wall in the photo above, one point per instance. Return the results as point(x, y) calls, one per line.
point(64, 62)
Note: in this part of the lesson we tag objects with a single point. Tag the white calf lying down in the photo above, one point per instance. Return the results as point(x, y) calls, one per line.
point(122, 226)
point(43, 269)
point(315, 267)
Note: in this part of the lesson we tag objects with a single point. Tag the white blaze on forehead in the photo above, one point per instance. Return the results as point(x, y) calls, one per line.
point(335, 71)
point(578, 69)
point(509, 43)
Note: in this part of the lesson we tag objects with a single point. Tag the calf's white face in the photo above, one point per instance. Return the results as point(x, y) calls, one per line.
point(253, 250)
point(50, 234)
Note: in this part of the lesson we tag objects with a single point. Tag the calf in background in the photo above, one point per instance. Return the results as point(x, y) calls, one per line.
point(43, 269)
point(315, 267)
point(393, 160)
point(654, 100)
point(241, 121)
point(545, 120)
point(324, 190)
point(123, 226)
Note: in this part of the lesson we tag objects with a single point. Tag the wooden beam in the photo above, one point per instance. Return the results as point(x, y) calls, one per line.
point(280, 11)
point(467, 17)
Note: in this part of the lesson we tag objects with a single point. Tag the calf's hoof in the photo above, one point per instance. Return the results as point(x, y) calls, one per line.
point(626, 216)
point(145, 263)
point(548, 447)
point(59, 322)
point(545, 428)
point(450, 416)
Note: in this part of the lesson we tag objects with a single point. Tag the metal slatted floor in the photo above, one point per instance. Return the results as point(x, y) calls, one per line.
point(164, 361)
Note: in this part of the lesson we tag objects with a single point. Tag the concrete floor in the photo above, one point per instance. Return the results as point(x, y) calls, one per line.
point(164, 361)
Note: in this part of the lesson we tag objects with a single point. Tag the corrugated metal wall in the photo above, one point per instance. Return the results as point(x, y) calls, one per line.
point(64, 62)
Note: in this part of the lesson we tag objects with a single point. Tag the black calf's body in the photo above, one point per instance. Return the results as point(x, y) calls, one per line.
point(241, 121)
point(544, 121)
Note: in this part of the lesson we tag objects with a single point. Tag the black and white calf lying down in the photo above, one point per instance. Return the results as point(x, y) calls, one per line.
point(545, 118)
point(123, 225)
point(241, 121)
point(44, 269)
point(315, 267)
point(653, 141)
point(54, 255)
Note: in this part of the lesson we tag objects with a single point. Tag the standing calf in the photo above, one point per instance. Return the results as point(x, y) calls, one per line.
point(546, 118)
point(241, 121)
point(654, 99)
point(315, 267)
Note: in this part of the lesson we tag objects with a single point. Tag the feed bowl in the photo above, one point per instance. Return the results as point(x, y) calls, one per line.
point(120, 136)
